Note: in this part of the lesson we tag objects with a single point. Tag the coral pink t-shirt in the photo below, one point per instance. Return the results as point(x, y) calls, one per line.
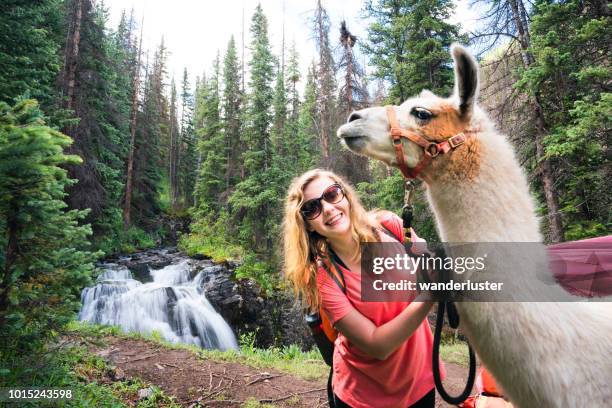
point(363, 381)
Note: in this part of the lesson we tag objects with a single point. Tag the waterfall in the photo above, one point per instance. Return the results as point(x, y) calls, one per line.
point(172, 304)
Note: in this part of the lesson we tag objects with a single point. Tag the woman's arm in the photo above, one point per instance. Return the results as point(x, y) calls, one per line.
point(380, 342)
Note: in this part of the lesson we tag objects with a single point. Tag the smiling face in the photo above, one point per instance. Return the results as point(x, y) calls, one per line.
point(334, 220)
point(367, 131)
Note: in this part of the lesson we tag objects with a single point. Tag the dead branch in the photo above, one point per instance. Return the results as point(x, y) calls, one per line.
point(295, 394)
point(138, 359)
point(263, 378)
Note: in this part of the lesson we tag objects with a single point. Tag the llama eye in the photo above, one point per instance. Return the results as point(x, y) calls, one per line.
point(421, 114)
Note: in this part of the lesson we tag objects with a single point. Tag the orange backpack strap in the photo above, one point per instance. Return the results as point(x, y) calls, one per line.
point(337, 276)
point(334, 272)
point(330, 332)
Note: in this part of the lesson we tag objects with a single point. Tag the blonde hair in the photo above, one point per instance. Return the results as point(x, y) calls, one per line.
point(303, 248)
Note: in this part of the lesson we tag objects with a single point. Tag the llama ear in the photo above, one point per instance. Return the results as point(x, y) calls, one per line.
point(466, 79)
point(426, 93)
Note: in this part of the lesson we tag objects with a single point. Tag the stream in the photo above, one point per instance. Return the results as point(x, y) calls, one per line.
point(169, 300)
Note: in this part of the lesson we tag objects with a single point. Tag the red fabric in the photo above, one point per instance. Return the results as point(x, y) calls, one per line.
point(583, 268)
point(363, 381)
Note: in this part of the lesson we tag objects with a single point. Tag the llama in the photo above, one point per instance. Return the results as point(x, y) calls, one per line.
point(552, 354)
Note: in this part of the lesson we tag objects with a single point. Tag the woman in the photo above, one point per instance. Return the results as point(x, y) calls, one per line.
point(382, 356)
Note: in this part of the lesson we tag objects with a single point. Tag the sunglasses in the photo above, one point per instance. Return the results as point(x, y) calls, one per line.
point(311, 209)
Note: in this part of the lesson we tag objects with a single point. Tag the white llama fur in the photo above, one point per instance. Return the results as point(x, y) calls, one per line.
point(542, 354)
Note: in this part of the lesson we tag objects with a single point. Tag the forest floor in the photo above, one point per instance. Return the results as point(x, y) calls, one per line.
point(189, 379)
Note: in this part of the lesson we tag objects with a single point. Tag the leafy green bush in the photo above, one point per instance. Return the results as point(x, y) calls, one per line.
point(262, 272)
point(119, 241)
point(208, 237)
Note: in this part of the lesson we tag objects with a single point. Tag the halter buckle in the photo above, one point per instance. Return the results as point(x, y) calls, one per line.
point(457, 140)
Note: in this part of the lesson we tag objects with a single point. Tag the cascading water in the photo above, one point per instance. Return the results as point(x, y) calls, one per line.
point(172, 304)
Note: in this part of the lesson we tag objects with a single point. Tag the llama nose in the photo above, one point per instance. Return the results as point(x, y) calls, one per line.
point(354, 116)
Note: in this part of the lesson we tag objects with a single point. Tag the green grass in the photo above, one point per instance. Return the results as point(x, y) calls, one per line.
point(254, 403)
point(289, 359)
point(73, 367)
point(208, 238)
point(455, 352)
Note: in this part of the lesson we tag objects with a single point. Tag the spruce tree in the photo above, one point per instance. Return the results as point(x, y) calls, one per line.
point(570, 43)
point(149, 152)
point(290, 143)
point(305, 144)
point(251, 201)
point(211, 146)
point(293, 78)
point(278, 133)
point(408, 44)
point(353, 96)
point(44, 266)
point(188, 164)
point(509, 18)
point(326, 86)
point(30, 38)
point(100, 106)
point(175, 148)
point(232, 106)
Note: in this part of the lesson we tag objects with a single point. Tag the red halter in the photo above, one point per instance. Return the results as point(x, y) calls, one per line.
point(430, 149)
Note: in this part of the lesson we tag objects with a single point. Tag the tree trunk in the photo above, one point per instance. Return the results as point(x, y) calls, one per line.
point(10, 258)
point(324, 99)
point(546, 174)
point(349, 76)
point(171, 164)
point(72, 54)
point(545, 168)
point(127, 206)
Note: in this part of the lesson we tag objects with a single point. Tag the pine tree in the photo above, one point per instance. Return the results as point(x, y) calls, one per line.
point(101, 106)
point(211, 146)
point(408, 44)
point(251, 200)
point(353, 96)
point(175, 151)
point(305, 144)
point(326, 85)
point(290, 142)
point(30, 36)
point(124, 41)
point(293, 78)
point(149, 152)
point(232, 106)
point(278, 133)
point(187, 170)
point(44, 265)
point(509, 18)
point(568, 52)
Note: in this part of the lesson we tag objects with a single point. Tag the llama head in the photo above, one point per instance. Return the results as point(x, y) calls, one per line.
point(436, 119)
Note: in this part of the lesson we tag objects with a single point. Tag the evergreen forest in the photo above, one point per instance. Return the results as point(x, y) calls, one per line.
point(102, 152)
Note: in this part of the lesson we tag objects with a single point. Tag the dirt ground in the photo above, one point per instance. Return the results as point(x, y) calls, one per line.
point(197, 382)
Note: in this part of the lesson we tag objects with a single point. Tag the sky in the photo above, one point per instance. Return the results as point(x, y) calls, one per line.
point(195, 30)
